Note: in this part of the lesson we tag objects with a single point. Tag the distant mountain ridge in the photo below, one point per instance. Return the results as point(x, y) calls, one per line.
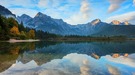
point(24, 18)
point(116, 22)
point(5, 12)
point(58, 26)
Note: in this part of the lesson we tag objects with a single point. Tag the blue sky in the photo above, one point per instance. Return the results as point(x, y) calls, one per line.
point(75, 11)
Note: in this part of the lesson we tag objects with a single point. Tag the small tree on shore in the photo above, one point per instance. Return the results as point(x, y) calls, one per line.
point(31, 34)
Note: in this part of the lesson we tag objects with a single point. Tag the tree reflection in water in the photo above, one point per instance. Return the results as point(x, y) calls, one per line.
point(65, 58)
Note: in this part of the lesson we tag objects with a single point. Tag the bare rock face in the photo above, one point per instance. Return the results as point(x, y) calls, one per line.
point(126, 23)
point(95, 22)
point(116, 22)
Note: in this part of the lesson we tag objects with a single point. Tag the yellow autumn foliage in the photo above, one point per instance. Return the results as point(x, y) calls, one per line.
point(14, 31)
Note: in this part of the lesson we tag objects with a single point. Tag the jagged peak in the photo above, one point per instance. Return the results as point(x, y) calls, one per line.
point(39, 14)
point(115, 22)
point(126, 23)
point(25, 15)
point(96, 21)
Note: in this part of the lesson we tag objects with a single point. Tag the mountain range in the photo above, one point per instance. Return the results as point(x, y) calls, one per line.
point(58, 26)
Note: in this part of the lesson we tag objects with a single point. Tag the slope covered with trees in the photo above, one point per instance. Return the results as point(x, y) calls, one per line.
point(10, 28)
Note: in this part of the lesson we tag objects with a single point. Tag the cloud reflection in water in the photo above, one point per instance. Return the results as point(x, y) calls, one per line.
point(77, 64)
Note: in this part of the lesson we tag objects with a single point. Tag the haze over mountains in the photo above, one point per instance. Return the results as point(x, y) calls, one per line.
point(58, 26)
point(4, 11)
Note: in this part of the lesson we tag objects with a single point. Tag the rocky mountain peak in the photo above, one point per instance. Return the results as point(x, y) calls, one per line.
point(39, 14)
point(126, 23)
point(42, 16)
point(24, 15)
point(96, 21)
point(115, 22)
point(23, 18)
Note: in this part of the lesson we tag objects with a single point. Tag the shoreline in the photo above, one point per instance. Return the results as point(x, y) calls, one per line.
point(29, 40)
point(70, 39)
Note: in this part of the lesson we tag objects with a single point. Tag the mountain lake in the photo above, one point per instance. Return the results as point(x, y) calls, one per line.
point(67, 58)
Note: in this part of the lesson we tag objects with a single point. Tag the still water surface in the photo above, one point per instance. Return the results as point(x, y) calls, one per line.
point(67, 58)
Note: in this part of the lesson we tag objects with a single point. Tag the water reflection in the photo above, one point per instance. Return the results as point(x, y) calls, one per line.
point(65, 58)
point(9, 52)
point(15, 48)
point(6, 61)
point(76, 64)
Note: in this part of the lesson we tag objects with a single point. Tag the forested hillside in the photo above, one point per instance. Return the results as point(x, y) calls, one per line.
point(9, 28)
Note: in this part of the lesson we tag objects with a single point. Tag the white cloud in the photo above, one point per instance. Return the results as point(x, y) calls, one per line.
point(129, 61)
point(75, 19)
point(59, 8)
point(19, 12)
point(114, 5)
point(82, 16)
point(49, 3)
point(69, 11)
point(8, 3)
point(130, 17)
point(134, 2)
point(66, 11)
point(113, 70)
point(85, 9)
point(43, 3)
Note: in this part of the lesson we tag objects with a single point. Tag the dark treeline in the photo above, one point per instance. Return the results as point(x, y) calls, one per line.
point(53, 37)
point(45, 35)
